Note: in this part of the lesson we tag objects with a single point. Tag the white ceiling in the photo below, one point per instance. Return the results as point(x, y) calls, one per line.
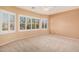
point(48, 10)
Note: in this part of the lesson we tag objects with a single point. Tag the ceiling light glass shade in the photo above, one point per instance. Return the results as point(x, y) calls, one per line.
point(47, 8)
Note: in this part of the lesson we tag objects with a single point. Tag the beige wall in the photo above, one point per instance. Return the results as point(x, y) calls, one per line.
point(65, 23)
point(19, 35)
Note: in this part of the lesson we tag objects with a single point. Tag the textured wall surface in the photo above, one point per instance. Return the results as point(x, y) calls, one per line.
point(66, 23)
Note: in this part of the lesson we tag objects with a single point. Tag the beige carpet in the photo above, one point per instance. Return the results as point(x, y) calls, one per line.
point(43, 43)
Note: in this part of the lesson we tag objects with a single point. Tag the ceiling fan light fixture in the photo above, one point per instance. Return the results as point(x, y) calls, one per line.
point(46, 9)
point(33, 7)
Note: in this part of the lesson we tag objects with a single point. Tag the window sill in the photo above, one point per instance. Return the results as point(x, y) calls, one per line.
point(5, 32)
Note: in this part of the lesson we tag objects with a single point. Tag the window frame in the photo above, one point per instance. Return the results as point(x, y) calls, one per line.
point(30, 24)
point(19, 22)
point(35, 23)
point(44, 19)
point(31, 29)
point(25, 23)
point(9, 13)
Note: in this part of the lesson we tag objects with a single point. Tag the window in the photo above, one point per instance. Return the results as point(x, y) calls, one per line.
point(7, 22)
point(44, 23)
point(25, 23)
point(12, 22)
point(31, 23)
point(28, 23)
point(22, 23)
point(35, 23)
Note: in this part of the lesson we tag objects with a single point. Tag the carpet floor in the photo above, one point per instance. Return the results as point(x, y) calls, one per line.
point(43, 43)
